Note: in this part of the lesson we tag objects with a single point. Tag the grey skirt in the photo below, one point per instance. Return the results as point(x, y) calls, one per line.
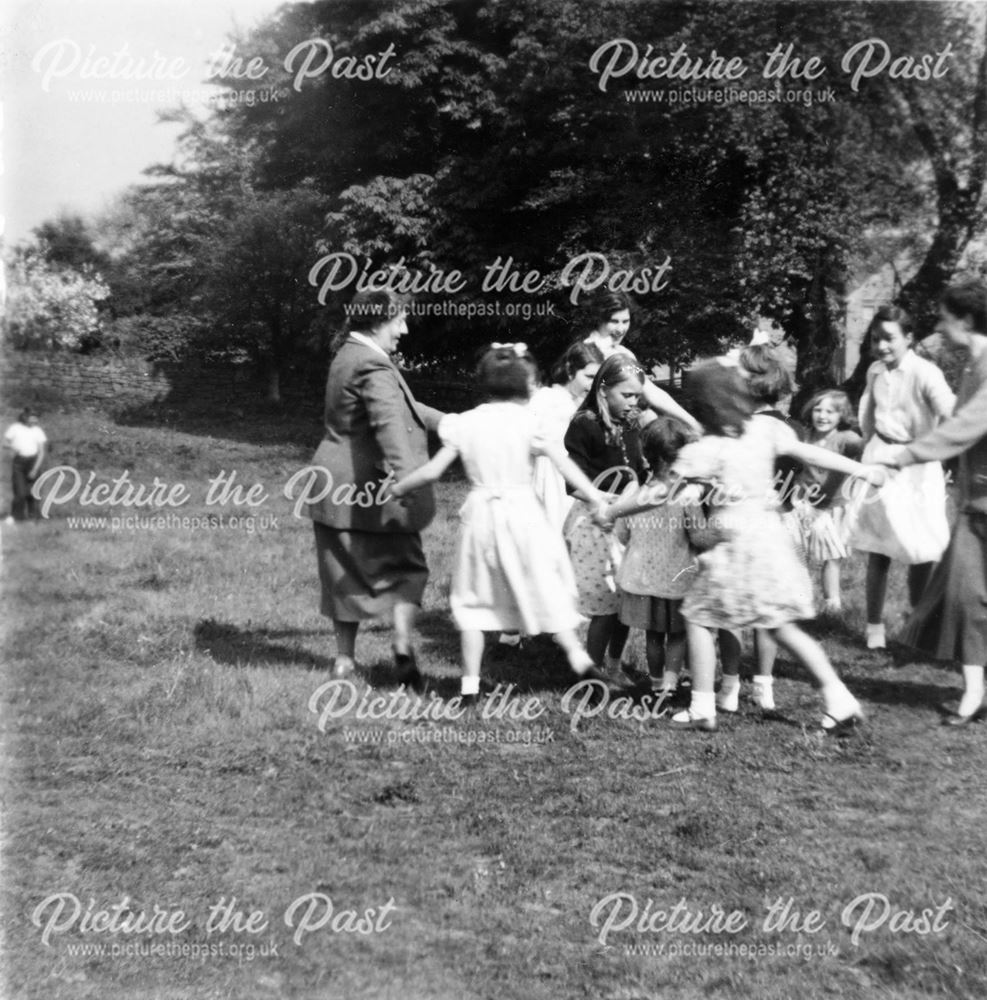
point(365, 573)
point(950, 620)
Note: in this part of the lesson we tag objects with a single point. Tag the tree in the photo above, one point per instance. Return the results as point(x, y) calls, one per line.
point(256, 286)
point(51, 306)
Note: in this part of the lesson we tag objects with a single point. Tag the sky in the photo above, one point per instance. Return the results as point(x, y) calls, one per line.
point(83, 81)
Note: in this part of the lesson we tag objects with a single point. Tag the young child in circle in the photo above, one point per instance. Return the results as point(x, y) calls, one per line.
point(511, 570)
point(754, 577)
point(769, 381)
point(659, 561)
point(906, 397)
point(829, 417)
point(602, 440)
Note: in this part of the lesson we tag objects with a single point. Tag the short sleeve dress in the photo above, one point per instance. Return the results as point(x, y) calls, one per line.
point(827, 526)
point(511, 571)
point(553, 407)
point(905, 519)
point(755, 577)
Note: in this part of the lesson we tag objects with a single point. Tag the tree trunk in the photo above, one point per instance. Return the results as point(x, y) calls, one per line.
point(819, 330)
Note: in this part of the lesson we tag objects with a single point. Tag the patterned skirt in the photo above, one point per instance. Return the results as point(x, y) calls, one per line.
point(596, 557)
point(756, 578)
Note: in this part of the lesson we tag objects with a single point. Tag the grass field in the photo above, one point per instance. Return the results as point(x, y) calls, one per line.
point(162, 755)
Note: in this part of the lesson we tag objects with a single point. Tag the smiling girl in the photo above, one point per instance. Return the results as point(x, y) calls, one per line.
point(906, 397)
point(828, 415)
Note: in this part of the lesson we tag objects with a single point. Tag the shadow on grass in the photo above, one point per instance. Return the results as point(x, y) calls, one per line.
point(255, 647)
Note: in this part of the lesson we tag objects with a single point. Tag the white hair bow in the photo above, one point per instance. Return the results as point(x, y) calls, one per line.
point(519, 349)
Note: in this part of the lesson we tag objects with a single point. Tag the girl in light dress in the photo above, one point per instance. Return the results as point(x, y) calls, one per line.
point(829, 415)
point(769, 381)
point(754, 577)
point(905, 398)
point(510, 570)
point(555, 405)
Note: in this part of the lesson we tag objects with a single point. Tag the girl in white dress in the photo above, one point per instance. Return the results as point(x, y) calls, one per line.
point(511, 570)
point(906, 397)
point(555, 405)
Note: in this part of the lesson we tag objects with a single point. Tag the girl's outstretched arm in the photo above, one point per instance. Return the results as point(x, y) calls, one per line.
point(572, 474)
point(811, 454)
point(660, 400)
point(639, 498)
point(427, 473)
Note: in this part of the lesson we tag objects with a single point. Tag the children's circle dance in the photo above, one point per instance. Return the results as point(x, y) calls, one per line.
point(600, 501)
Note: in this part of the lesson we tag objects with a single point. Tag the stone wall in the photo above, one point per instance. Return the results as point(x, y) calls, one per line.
point(118, 384)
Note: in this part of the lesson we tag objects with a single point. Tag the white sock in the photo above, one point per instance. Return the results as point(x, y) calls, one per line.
point(875, 637)
point(839, 704)
point(973, 693)
point(580, 661)
point(510, 639)
point(470, 684)
point(764, 694)
point(669, 680)
point(703, 704)
point(729, 697)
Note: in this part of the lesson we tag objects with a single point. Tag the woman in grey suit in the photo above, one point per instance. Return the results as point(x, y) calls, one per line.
point(369, 547)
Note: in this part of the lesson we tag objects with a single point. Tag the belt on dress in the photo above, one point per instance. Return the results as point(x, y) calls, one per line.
point(888, 440)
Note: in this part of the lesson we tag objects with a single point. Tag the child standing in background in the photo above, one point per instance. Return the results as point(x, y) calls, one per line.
point(27, 442)
point(906, 397)
point(829, 416)
point(510, 570)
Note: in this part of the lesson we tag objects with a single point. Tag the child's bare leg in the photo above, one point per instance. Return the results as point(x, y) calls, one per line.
point(702, 660)
point(729, 697)
point(831, 584)
point(471, 643)
point(579, 658)
point(766, 651)
point(839, 703)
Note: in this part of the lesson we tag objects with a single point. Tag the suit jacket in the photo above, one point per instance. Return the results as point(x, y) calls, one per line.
point(373, 427)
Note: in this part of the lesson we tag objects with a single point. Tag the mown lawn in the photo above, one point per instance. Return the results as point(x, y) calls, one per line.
point(160, 748)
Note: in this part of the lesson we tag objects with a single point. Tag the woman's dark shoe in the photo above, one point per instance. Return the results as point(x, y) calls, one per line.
point(833, 726)
point(408, 674)
point(958, 721)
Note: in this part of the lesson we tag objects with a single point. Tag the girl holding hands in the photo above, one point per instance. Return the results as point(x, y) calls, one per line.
point(511, 570)
point(754, 577)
